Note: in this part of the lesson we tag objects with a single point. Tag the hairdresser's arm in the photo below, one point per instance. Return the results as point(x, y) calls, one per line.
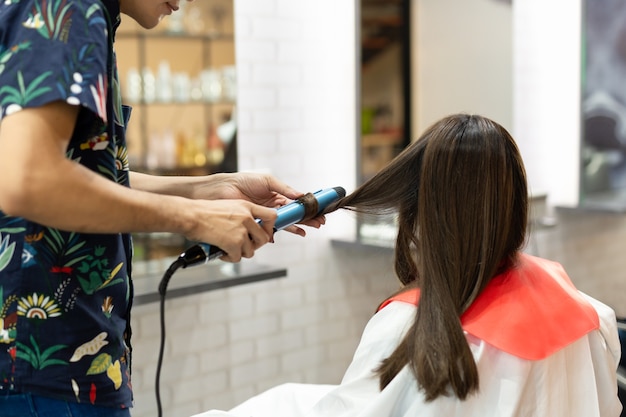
point(39, 183)
point(263, 189)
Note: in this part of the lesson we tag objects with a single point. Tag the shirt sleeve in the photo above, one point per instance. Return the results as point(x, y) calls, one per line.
point(53, 51)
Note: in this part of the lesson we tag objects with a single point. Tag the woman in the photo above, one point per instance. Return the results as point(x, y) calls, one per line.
point(478, 329)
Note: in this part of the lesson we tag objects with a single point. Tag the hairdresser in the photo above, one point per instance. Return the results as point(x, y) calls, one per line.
point(69, 201)
point(478, 328)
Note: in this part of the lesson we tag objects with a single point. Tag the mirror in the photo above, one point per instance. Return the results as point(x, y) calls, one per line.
point(603, 148)
point(385, 83)
point(385, 99)
point(423, 60)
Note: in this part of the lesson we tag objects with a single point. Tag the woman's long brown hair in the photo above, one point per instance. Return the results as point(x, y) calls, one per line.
point(461, 197)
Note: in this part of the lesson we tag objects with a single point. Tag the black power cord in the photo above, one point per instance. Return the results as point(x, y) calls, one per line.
point(162, 290)
point(195, 255)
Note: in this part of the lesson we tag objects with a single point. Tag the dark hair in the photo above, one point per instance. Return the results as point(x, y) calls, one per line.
point(461, 198)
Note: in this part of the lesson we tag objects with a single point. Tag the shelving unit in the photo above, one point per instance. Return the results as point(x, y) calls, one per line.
point(175, 116)
point(384, 83)
point(164, 76)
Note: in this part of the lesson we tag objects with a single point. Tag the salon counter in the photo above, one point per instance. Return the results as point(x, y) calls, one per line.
point(381, 236)
point(212, 276)
point(365, 245)
point(372, 236)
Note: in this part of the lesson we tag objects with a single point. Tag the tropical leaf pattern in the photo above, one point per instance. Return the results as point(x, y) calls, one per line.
point(36, 357)
point(6, 251)
point(90, 348)
point(52, 280)
point(55, 17)
point(22, 93)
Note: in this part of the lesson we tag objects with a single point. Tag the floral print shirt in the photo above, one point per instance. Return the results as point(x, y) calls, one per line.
point(64, 296)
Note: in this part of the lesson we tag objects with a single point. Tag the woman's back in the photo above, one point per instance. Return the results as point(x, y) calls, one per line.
point(572, 374)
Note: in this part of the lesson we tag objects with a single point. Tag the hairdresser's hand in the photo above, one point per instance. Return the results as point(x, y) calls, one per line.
point(231, 225)
point(262, 189)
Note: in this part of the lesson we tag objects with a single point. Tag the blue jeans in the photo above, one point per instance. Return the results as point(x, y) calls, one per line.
point(28, 405)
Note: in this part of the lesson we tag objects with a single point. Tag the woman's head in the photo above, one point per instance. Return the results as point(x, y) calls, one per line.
point(460, 193)
point(472, 203)
point(461, 197)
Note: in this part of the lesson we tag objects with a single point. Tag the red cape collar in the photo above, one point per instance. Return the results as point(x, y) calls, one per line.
point(530, 311)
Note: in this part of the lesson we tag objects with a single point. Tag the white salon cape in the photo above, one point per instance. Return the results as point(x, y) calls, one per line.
point(577, 380)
